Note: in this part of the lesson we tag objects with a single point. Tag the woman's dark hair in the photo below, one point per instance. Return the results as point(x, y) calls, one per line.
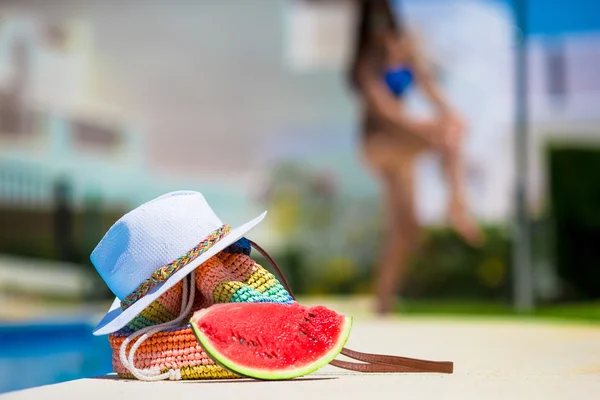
point(370, 12)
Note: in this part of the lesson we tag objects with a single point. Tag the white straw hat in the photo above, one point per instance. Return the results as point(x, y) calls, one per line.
point(156, 245)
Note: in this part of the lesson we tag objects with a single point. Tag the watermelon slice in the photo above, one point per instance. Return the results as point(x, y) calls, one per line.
point(270, 341)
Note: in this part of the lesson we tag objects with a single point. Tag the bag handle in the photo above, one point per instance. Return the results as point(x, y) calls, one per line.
point(370, 362)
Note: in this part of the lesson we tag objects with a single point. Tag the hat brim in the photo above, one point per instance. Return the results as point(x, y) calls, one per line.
point(116, 318)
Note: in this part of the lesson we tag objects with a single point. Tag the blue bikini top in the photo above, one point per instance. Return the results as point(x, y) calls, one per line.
point(398, 79)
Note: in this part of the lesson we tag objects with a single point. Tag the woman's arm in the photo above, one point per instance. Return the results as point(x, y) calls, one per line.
point(425, 78)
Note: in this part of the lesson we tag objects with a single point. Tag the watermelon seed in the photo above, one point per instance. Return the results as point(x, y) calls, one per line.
point(311, 315)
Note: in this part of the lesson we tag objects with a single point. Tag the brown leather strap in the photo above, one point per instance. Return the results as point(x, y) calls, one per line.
point(360, 367)
point(405, 362)
point(370, 362)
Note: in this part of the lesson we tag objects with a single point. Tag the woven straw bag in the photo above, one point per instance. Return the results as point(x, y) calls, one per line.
point(230, 276)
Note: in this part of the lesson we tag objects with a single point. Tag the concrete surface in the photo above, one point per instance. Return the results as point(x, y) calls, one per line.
point(493, 360)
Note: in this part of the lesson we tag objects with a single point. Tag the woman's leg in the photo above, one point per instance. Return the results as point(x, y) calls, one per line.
point(458, 214)
point(402, 236)
point(394, 166)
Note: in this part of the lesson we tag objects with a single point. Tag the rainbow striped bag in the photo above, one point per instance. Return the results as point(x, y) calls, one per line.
point(230, 276)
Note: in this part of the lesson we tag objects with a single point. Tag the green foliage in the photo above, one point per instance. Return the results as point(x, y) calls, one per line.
point(446, 267)
point(36, 247)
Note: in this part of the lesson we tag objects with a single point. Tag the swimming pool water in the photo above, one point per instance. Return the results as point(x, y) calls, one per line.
point(45, 353)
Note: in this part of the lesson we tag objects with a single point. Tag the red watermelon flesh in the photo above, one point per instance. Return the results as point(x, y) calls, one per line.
point(269, 340)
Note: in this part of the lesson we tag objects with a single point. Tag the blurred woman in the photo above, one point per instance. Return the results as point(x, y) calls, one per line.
point(387, 61)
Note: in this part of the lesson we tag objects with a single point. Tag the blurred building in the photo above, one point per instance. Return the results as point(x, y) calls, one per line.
point(48, 126)
point(565, 96)
point(53, 125)
point(214, 95)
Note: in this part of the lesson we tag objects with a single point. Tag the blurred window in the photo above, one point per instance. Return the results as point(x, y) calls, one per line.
point(319, 34)
point(55, 37)
point(15, 117)
point(556, 73)
point(89, 136)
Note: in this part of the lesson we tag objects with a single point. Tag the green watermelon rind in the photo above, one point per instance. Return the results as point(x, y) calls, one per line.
point(266, 374)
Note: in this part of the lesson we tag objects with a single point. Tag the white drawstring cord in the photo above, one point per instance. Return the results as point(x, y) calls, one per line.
point(153, 374)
